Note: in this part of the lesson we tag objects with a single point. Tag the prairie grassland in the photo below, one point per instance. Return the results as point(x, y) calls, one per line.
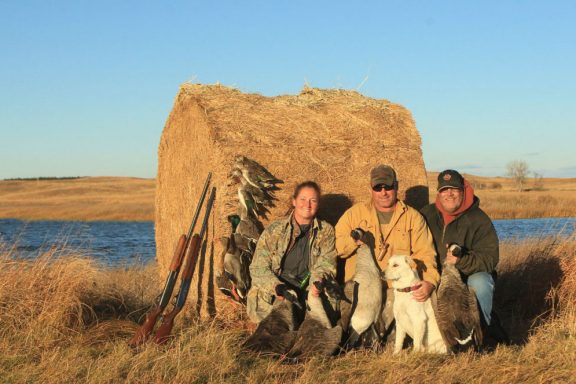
point(65, 320)
point(123, 198)
point(554, 197)
point(87, 198)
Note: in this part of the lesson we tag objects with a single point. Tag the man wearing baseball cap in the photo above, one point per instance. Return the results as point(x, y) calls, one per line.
point(396, 228)
point(456, 218)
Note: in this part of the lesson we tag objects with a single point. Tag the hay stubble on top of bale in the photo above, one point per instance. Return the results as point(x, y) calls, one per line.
point(331, 136)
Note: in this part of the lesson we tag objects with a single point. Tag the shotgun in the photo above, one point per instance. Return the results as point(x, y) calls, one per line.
point(184, 242)
point(163, 332)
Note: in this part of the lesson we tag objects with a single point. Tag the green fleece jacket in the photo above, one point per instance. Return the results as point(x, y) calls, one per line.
point(473, 230)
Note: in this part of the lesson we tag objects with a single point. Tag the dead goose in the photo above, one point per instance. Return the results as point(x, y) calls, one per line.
point(276, 333)
point(365, 292)
point(316, 335)
point(457, 311)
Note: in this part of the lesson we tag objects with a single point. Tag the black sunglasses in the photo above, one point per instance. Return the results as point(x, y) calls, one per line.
point(380, 187)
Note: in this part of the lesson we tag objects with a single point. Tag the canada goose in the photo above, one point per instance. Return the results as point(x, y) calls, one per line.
point(317, 336)
point(276, 333)
point(457, 311)
point(365, 292)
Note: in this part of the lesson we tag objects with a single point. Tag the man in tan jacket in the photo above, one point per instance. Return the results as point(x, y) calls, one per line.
point(397, 230)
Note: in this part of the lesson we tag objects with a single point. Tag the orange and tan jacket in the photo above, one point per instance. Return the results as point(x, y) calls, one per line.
point(407, 234)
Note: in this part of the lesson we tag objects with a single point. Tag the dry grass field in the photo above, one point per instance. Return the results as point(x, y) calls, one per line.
point(86, 198)
point(553, 197)
point(64, 320)
point(123, 198)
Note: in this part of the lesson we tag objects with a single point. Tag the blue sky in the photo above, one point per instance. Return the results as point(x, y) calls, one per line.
point(85, 87)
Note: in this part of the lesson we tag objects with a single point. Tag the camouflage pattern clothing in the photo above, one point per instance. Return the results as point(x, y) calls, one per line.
point(273, 245)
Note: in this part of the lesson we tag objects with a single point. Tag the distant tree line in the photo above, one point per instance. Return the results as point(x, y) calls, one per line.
point(43, 178)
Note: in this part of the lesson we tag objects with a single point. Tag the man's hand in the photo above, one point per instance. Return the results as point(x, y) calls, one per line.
point(314, 290)
point(279, 290)
point(423, 292)
point(450, 258)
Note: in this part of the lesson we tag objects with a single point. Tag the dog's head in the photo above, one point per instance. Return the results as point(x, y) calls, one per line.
point(401, 267)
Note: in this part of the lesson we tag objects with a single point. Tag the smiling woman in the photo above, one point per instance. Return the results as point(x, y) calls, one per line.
point(305, 201)
point(291, 253)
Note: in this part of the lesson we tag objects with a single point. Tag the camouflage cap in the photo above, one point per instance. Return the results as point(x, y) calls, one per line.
point(382, 174)
point(450, 179)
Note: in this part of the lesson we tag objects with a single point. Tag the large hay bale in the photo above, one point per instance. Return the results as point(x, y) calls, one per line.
point(331, 136)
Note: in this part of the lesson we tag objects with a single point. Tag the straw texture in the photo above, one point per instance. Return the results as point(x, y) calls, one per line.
point(331, 136)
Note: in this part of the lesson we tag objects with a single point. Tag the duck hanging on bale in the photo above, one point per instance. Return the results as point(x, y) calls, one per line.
point(256, 187)
point(255, 174)
point(235, 281)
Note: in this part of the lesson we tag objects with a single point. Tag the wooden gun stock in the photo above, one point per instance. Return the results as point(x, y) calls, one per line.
point(184, 242)
point(179, 254)
point(145, 329)
point(164, 330)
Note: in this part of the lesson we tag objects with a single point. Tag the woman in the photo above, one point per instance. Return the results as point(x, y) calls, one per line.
point(291, 252)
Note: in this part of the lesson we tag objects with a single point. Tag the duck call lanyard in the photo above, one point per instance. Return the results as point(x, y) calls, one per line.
point(384, 245)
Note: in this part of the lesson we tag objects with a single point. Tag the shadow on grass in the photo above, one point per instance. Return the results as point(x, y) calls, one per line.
point(522, 296)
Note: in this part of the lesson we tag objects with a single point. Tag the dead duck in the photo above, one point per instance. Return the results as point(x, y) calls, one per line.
point(256, 178)
point(247, 231)
point(234, 269)
point(253, 207)
point(256, 170)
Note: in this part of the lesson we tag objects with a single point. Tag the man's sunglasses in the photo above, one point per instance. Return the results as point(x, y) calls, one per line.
point(380, 187)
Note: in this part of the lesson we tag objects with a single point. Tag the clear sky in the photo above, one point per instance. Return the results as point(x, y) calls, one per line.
point(86, 86)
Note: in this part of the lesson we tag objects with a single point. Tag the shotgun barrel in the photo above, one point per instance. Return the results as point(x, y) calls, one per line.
point(184, 242)
point(164, 330)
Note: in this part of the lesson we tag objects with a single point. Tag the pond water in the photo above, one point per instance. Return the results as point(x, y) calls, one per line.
point(114, 243)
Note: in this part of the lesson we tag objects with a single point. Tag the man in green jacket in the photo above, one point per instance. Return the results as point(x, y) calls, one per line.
point(292, 252)
point(464, 236)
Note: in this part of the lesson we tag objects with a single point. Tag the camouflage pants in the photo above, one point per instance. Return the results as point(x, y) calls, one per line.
point(258, 304)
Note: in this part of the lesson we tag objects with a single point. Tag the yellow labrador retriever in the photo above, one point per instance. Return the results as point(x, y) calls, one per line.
point(413, 318)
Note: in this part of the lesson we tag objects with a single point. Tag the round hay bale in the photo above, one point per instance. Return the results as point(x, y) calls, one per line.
point(331, 136)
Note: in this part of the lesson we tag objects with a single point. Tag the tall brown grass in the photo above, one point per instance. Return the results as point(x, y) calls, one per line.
point(86, 198)
point(65, 319)
point(555, 197)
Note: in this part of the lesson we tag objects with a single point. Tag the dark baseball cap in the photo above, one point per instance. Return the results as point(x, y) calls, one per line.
point(450, 179)
point(382, 174)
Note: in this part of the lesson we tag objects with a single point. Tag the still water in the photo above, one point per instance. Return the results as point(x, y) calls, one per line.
point(115, 243)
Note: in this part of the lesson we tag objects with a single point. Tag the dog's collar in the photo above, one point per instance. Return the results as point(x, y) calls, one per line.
point(409, 289)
